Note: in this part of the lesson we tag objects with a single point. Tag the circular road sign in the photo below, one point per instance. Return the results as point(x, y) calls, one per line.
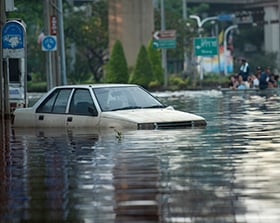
point(49, 43)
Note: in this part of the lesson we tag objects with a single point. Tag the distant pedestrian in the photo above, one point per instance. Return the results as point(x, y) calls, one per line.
point(264, 78)
point(244, 69)
point(254, 81)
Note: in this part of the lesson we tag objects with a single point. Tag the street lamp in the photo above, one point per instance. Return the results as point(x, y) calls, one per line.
point(225, 45)
point(200, 23)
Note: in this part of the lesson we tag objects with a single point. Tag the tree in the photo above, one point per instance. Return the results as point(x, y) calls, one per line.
point(31, 13)
point(154, 56)
point(143, 72)
point(87, 27)
point(117, 71)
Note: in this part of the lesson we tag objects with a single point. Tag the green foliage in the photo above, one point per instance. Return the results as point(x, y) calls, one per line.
point(154, 56)
point(143, 72)
point(117, 70)
point(80, 75)
point(213, 80)
point(155, 85)
point(32, 15)
point(36, 86)
point(87, 28)
point(177, 83)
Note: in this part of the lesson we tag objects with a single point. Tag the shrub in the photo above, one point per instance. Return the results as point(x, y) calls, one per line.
point(117, 70)
point(154, 56)
point(177, 83)
point(143, 72)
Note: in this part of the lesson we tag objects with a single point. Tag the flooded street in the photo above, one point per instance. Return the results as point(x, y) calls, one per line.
point(227, 172)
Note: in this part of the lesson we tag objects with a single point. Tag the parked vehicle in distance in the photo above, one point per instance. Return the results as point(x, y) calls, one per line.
point(103, 106)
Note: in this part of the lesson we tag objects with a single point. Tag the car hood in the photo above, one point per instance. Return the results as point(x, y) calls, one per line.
point(152, 115)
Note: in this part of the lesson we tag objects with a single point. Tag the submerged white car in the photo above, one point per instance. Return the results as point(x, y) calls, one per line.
point(103, 106)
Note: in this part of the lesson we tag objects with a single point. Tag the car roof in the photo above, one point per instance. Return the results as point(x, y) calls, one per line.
point(95, 85)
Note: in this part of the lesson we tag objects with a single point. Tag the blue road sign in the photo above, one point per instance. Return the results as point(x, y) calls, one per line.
point(49, 43)
point(13, 35)
point(13, 39)
point(226, 17)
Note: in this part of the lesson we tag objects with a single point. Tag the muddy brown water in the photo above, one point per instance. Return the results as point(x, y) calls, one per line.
point(226, 172)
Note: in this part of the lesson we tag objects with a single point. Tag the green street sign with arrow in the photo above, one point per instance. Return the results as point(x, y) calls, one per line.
point(207, 46)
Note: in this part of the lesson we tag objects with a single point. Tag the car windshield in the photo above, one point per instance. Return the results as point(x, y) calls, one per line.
point(125, 97)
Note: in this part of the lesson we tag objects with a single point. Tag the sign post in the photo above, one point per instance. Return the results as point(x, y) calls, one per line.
point(205, 47)
point(15, 66)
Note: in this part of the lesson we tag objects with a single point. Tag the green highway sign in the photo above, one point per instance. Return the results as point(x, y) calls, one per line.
point(207, 46)
point(164, 43)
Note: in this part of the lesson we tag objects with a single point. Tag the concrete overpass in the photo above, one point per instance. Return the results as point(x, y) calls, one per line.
point(132, 21)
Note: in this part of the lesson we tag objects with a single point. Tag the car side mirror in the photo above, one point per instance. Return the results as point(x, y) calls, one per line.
point(92, 111)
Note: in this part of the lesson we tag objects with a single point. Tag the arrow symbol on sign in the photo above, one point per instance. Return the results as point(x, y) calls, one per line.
point(156, 35)
point(155, 44)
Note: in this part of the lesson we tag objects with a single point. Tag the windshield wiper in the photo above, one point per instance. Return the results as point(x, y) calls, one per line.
point(156, 106)
point(127, 108)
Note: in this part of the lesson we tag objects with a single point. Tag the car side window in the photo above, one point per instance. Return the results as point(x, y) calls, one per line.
point(82, 103)
point(56, 102)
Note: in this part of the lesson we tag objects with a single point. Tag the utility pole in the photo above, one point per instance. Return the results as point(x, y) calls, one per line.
point(55, 59)
point(61, 43)
point(48, 54)
point(185, 16)
point(163, 51)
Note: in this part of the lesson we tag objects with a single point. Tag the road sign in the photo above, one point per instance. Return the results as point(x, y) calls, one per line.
point(207, 46)
point(49, 43)
point(13, 39)
point(226, 17)
point(168, 43)
point(164, 39)
point(165, 34)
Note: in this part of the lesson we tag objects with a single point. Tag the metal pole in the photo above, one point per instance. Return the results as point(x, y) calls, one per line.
point(219, 58)
point(163, 51)
point(184, 9)
point(225, 46)
point(61, 41)
point(48, 53)
point(184, 2)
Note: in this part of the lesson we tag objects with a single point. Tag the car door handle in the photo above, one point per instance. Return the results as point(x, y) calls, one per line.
point(69, 119)
point(41, 117)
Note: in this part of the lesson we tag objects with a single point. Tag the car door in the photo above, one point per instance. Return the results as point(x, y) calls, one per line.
point(52, 111)
point(82, 110)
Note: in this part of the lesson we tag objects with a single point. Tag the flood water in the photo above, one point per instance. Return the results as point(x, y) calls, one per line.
point(226, 172)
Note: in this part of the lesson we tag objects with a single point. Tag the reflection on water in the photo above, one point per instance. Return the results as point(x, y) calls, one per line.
point(226, 172)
